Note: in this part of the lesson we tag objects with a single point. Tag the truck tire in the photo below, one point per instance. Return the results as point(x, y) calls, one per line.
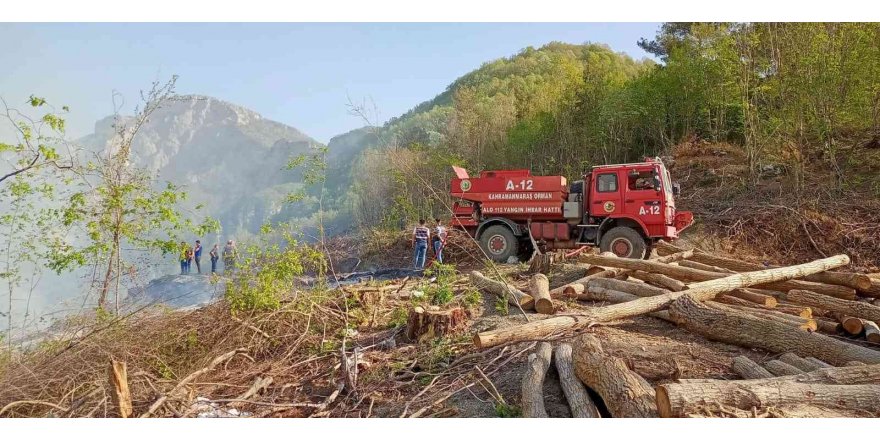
point(625, 242)
point(499, 243)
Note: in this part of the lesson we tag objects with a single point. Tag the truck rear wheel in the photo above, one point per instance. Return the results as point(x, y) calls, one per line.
point(624, 242)
point(499, 243)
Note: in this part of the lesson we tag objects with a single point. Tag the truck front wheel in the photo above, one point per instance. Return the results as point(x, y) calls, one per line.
point(624, 242)
point(499, 243)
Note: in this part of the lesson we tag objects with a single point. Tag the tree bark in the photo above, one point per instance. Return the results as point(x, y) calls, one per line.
point(873, 290)
point(539, 288)
point(749, 369)
point(700, 291)
point(850, 308)
point(573, 289)
point(616, 297)
point(686, 273)
point(794, 321)
point(799, 362)
point(533, 381)
point(625, 393)
point(828, 326)
point(819, 364)
point(681, 399)
point(708, 268)
point(780, 368)
point(638, 289)
point(754, 296)
point(575, 393)
point(429, 324)
point(513, 295)
point(659, 280)
point(751, 331)
point(851, 280)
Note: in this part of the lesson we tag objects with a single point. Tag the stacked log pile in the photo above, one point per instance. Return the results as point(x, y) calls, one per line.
point(816, 323)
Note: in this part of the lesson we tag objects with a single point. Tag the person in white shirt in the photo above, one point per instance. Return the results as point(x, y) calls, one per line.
point(439, 240)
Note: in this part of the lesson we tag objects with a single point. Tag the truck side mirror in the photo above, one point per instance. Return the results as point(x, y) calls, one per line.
point(676, 189)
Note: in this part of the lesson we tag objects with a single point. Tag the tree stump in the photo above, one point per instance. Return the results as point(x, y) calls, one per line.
point(427, 324)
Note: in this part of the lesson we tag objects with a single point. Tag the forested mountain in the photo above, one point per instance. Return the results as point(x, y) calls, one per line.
point(803, 97)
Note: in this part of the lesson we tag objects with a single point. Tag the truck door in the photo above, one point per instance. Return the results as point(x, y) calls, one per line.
point(641, 197)
point(605, 194)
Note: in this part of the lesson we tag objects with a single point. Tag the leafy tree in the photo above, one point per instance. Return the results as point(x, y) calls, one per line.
point(120, 209)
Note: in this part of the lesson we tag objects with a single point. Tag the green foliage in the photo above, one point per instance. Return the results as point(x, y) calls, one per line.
point(791, 93)
point(441, 292)
point(505, 410)
point(268, 269)
point(502, 306)
point(471, 298)
point(399, 317)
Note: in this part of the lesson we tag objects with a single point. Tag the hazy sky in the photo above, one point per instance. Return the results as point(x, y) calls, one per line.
point(298, 74)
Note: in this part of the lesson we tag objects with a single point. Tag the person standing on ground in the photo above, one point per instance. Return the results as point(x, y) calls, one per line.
point(230, 253)
point(183, 251)
point(197, 254)
point(215, 255)
point(189, 259)
point(438, 240)
point(420, 237)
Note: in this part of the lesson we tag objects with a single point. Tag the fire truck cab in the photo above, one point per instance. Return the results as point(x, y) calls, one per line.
point(621, 208)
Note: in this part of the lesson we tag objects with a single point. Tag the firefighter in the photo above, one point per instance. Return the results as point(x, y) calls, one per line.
point(420, 237)
point(438, 240)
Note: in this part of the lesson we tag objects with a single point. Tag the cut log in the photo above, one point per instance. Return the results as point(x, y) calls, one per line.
point(699, 291)
point(748, 369)
point(828, 326)
point(577, 287)
point(575, 393)
point(798, 362)
point(573, 289)
point(566, 274)
point(794, 321)
point(513, 295)
point(625, 393)
point(539, 288)
point(616, 297)
point(853, 364)
point(638, 289)
point(754, 297)
point(850, 324)
point(686, 273)
point(119, 392)
point(659, 280)
point(682, 399)
point(726, 298)
point(850, 308)
point(424, 324)
point(794, 309)
point(819, 364)
point(533, 381)
point(873, 290)
point(706, 267)
point(872, 332)
point(848, 279)
point(755, 332)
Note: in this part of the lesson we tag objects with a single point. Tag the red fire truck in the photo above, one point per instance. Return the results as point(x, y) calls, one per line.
point(619, 208)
